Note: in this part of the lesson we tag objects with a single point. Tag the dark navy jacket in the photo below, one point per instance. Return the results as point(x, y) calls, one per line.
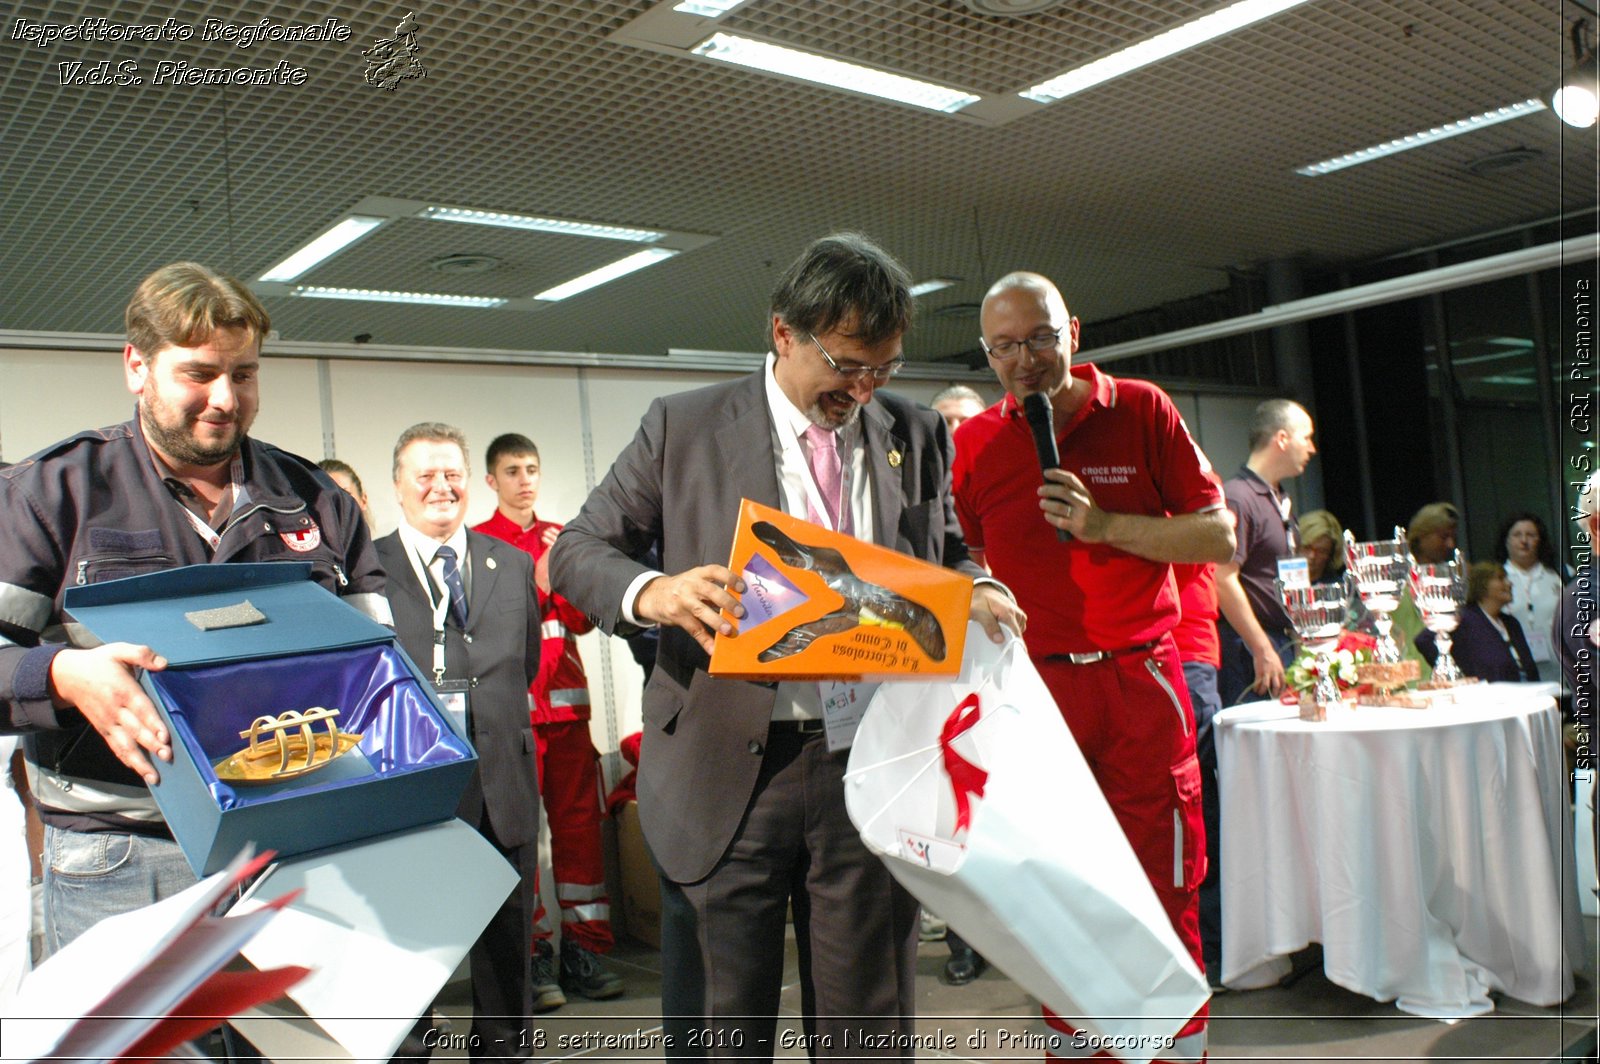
point(94, 508)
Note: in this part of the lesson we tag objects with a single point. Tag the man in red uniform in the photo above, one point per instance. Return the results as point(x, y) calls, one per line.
point(1200, 654)
point(569, 779)
point(1135, 493)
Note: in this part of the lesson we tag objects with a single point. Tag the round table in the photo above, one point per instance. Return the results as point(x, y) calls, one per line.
point(1428, 850)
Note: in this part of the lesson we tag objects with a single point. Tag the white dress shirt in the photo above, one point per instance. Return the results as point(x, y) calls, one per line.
point(423, 551)
point(795, 701)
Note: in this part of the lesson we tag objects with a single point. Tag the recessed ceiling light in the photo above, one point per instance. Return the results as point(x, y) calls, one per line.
point(834, 73)
point(542, 225)
point(330, 243)
point(1161, 46)
point(1012, 8)
point(1501, 161)
point(464, 263)
point(377, 296)
point(1426, 136)
point(932, 284)
point(621, 268)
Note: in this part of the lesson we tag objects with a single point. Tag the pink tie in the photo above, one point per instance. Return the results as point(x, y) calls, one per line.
point(829, 475)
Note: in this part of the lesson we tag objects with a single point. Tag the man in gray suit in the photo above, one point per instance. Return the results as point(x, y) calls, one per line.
point(741, 802)
point(466, 611)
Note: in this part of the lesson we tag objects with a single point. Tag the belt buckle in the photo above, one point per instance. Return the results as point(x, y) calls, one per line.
point(810, 725)
point(1089, 658)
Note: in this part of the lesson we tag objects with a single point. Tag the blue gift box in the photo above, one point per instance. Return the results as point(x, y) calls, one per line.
point(307, 649)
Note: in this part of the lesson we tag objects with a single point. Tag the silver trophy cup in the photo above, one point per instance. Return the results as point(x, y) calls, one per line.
point(1317, 616)
point(1377, 572)
point(1439, 592)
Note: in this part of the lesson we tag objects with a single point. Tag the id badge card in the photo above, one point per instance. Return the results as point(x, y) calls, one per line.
point(453, 695)
point(843, 706)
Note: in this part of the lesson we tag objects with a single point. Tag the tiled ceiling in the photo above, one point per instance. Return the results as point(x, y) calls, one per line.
point(1146, 189)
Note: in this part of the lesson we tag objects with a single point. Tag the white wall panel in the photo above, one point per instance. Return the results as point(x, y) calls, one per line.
point(373, 402)
point(47, 396)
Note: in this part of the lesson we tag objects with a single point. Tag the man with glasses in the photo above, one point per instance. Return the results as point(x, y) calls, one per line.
point(741, 801)
point(1136, 494)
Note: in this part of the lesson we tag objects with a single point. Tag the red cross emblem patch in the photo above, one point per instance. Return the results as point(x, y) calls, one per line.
point(307, 539)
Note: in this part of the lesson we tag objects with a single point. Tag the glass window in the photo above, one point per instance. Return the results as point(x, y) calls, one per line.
point(1490, 327)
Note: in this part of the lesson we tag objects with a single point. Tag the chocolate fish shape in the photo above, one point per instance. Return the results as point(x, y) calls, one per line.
point(860, 598)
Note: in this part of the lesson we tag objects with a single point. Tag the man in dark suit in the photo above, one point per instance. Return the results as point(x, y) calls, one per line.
point(741, 802)
point(466, 611)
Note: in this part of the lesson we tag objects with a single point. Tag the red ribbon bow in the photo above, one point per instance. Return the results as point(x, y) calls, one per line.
point(966, 779)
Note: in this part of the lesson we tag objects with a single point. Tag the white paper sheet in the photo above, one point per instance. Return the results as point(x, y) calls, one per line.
point(383, 925)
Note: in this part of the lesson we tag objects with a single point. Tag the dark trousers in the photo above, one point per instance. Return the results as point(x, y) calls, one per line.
point(1238, 670)
point(1202, 679)
point(722, 938)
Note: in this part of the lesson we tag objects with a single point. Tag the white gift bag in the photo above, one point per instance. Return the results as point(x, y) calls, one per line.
point(981, 804)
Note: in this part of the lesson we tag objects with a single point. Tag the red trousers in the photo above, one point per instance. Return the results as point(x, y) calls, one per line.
point(569, 783)
point(1131, 717)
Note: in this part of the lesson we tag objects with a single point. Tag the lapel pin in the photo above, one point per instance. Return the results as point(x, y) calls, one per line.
point(894, 459)
point(489, 562)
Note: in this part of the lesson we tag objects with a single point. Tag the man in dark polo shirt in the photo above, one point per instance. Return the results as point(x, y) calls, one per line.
point(1256, 639)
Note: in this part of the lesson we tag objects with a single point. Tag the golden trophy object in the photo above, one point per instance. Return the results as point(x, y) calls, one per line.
point(1387, 678)
point(285, 747)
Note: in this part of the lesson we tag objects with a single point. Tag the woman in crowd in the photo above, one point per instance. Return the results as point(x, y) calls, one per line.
point(1322, 544)
point(1488, 643)
point(1525, 549)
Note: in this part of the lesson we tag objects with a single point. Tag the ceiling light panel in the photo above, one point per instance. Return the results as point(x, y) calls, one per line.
point(949, 44)
point(396, 258)
point(1422, 137)
point(346, 232)
point(1180, 38)
point(707, 8)
point(373, 295)
point(564, 227)
point(833, 73)
point(605, 274)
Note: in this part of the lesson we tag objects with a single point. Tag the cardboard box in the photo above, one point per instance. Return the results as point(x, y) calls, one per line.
point(307, 649)
point(820, 605)
point(641, 889)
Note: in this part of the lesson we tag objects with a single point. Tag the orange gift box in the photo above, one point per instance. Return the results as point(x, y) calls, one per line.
point(820, 605)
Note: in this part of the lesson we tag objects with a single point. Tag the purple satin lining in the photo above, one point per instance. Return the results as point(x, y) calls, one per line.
point(375, 692)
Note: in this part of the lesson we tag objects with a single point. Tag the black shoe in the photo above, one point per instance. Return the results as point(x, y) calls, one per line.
point(547, 993)
point(963, 967)
point(582, 973)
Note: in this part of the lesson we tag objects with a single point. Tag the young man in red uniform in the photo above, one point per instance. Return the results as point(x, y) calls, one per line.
point(1136, 494)
point(569, 778)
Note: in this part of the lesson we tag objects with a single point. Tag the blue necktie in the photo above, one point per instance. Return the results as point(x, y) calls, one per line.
point(452, 583)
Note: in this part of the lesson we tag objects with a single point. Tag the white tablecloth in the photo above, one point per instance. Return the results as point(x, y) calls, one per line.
point(1424, 849)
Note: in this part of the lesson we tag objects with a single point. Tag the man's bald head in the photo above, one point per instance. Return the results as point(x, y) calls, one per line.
point(1028, 334)
point(1035, 284)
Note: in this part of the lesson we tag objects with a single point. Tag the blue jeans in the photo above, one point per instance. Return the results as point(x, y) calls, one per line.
point(89, 876)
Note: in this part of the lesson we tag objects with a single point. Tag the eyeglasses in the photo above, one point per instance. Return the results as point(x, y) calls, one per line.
point(1042, 340)
point(856, 372)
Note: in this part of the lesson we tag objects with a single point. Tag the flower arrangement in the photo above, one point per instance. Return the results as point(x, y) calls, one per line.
point(1353, 650)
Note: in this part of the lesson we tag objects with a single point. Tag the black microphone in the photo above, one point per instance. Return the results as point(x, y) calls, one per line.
point(1036, 408)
